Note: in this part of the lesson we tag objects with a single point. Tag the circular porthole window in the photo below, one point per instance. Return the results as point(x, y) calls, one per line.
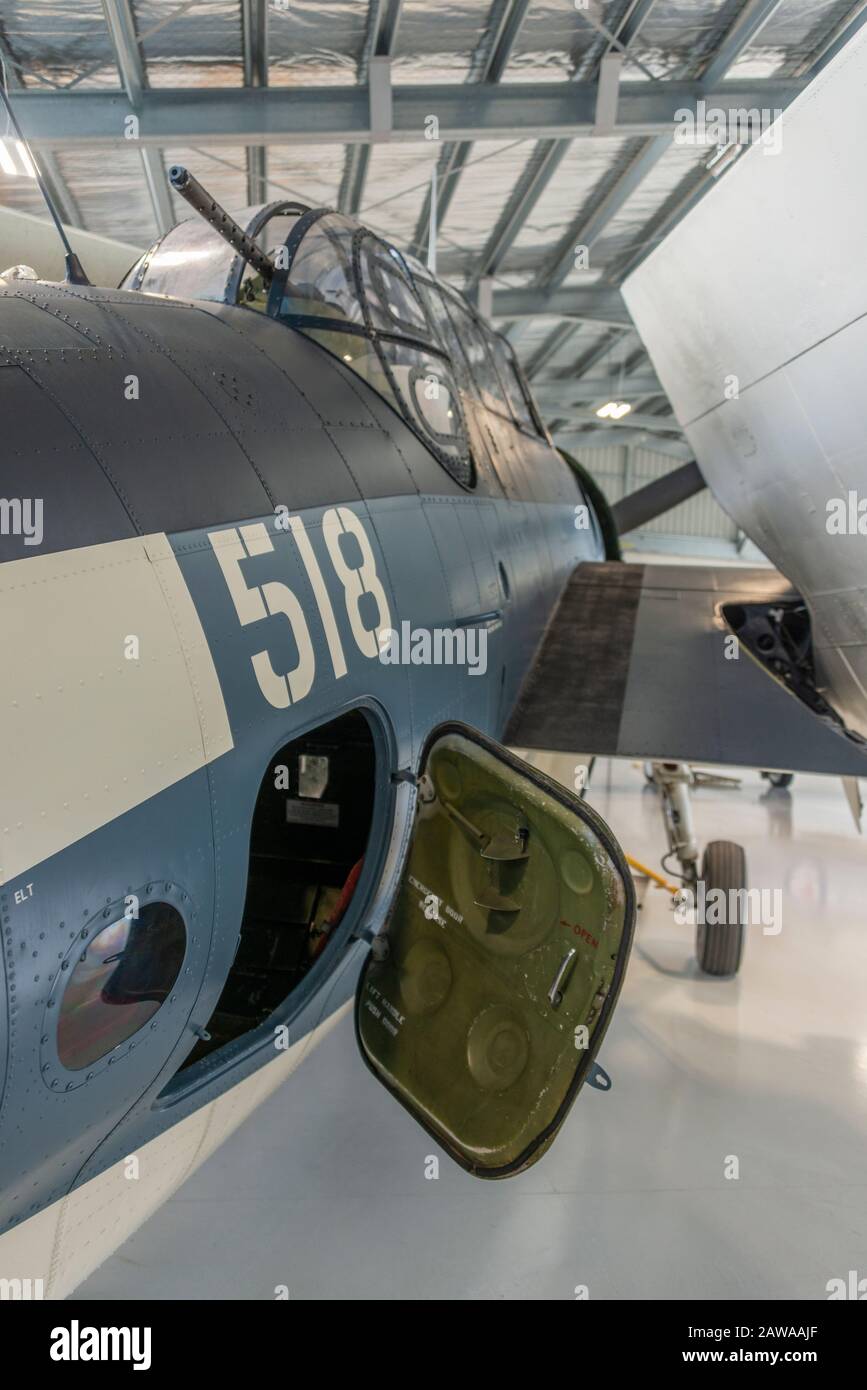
point(118, 982)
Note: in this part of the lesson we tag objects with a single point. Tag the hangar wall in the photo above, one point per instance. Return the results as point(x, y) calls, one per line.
point(697, 526)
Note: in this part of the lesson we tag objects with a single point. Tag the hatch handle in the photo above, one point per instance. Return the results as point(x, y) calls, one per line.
point(555, 993)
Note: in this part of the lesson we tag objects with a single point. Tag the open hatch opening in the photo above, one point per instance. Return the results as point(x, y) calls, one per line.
point(310, 831)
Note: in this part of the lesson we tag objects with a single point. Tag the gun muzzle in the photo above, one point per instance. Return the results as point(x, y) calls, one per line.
point(207, 207)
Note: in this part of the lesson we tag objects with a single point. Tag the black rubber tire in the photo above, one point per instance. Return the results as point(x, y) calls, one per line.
point(719, 946)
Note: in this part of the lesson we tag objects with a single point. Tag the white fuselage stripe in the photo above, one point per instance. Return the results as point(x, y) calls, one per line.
point(108, 692)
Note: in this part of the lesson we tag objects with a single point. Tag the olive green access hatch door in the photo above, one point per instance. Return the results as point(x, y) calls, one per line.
point(506, 948)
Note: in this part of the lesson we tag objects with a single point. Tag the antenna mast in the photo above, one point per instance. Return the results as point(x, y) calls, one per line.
point(74, 269)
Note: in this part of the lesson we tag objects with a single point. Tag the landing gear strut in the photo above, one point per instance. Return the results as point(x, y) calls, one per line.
point(779, 780)
point(719, 943)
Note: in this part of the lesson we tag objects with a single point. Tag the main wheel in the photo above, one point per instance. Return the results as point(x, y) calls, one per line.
point(720, 945)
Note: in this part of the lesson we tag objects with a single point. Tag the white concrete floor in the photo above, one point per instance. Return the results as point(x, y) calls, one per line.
point(324, 1189)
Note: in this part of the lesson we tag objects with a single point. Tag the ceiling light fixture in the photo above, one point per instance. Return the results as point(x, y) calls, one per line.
point(613, 410)
point(24, 156)
point(723, 156)
point(7, 164)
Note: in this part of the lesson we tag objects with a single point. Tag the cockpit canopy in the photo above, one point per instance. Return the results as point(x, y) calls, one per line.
point(414, 339)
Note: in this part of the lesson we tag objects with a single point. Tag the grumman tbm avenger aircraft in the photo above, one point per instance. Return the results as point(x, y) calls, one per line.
point(275, 468)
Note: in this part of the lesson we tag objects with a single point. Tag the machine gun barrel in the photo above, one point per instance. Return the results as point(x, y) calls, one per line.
point(207, 207)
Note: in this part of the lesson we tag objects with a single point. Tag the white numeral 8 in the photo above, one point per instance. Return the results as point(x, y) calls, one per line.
point(339, 521)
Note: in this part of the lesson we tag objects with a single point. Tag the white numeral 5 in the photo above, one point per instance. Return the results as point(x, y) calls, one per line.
point(252, 604)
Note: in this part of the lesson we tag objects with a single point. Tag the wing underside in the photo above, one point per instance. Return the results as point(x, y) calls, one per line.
point(638, 661)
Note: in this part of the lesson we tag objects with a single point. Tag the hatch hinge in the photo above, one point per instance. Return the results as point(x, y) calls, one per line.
point(377, 940)
point(405, 774)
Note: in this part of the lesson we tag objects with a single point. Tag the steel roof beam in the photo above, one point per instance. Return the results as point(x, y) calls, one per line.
point(59, 191)
point(507, 28)
point(602, 350)
point(754, 15)
point(609, 99)
point(454, 156)
point(55, 184)
point(383, 24)
point(585, 231)
point(130, 64)
point(254, 31)
point(555, 340)
point(526, 193)
point(388, 22)
point(158, 187)
point(354, 179)
point(634, 21)
point(133, 75)
point(837, 39)
point(536, 176)
point(659, 226)
point(566, 381)
point(257, 174)
point(274, 116)
point(588, 228)
point(608, 93)
point(559, 394)
point(594, 304)
point(450, 166)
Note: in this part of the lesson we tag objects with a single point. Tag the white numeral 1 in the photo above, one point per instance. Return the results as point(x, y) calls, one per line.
point(320, 592)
